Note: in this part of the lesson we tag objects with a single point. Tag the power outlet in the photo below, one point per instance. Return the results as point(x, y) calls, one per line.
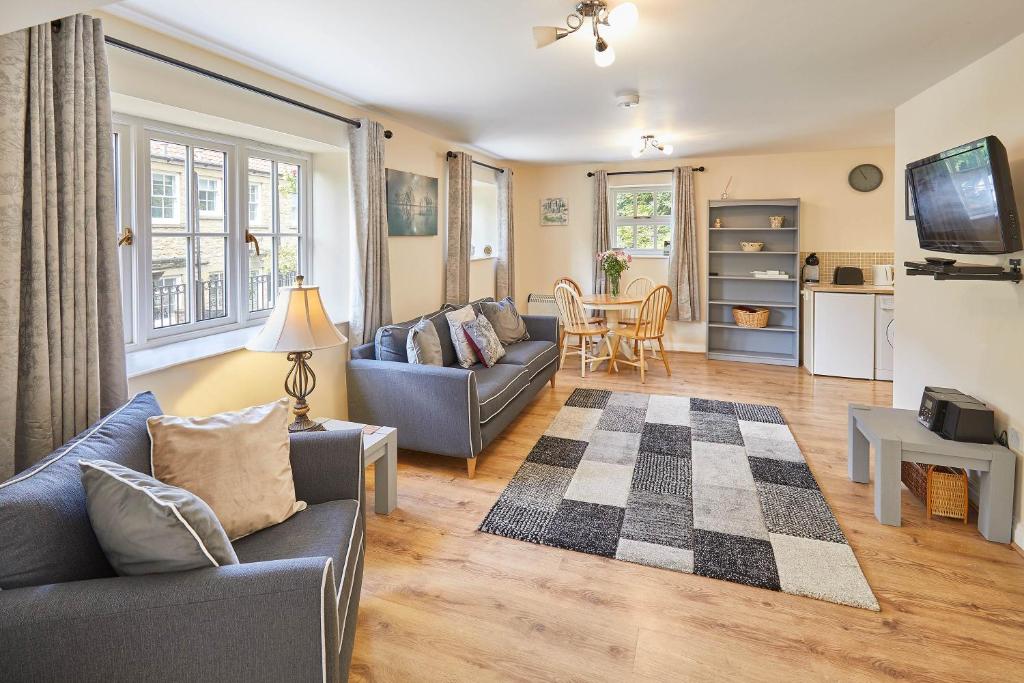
point(1014, 439)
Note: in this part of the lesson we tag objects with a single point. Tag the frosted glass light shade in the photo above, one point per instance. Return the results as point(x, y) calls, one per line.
point(623, 18)
point(298, 322)
point(605, 57)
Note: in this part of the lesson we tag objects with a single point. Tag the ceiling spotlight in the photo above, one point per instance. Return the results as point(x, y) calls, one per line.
point(648, 142)
point(628, 99)
point(619, 20)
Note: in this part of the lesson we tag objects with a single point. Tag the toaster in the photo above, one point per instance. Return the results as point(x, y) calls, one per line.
point(847, 275)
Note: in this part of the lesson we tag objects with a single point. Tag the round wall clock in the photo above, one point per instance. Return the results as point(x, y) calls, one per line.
point(865, 178)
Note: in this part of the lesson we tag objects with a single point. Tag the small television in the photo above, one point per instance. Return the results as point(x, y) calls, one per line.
point(963, 200)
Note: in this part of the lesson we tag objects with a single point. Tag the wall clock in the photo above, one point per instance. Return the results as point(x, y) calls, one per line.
point(865, 178)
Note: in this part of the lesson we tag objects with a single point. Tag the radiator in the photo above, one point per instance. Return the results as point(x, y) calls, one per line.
point(541, 304)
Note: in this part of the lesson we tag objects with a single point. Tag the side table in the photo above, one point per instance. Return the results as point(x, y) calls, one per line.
point(897, 437)
point(380, 449)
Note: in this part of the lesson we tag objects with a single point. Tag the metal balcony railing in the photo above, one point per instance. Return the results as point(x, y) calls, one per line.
point(170, 302)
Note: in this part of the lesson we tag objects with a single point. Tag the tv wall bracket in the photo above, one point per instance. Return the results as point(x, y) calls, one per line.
point(951, 270)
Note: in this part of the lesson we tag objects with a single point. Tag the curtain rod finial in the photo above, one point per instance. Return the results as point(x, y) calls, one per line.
point(388, 135)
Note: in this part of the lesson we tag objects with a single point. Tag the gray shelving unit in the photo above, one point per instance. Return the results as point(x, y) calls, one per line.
point(730, 282)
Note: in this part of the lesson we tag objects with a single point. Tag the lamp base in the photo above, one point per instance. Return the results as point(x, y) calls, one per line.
point(304, 424)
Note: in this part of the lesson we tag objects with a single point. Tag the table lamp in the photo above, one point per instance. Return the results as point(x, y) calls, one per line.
point(298, 325)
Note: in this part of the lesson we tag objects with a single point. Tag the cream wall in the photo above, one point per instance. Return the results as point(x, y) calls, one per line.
point(834, 216)
point(143, 87)
point(967, 335)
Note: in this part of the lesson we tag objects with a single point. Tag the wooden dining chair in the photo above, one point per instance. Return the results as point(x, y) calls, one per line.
point(648, 328)
point(576, 323)
point(566, 280)
point(640, 288)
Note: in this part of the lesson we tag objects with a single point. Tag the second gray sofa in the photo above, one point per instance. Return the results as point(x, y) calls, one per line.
point(449, 410)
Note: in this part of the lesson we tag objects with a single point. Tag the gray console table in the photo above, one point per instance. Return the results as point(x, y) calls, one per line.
point(897, 436)
point(380, 449)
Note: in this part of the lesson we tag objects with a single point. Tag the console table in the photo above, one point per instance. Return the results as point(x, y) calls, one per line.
point(380, 449)
point(897, 436)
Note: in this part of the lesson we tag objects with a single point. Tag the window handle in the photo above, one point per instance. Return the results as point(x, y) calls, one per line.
point(126, 238)
point(251, 239)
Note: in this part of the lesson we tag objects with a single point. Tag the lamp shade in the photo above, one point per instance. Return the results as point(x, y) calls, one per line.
point(297, 323)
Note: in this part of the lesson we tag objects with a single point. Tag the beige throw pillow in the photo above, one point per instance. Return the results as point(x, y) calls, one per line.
point(236, 462)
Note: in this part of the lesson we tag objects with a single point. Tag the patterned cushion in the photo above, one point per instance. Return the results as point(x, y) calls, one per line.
point(484, 340)
point(465, 353)
point(148, 527)
point(424, 346)
point(505, 320)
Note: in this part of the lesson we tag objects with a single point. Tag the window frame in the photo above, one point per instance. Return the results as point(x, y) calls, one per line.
point(137, 282)
point(175, 197)
point(218, 205)
point(615, 221)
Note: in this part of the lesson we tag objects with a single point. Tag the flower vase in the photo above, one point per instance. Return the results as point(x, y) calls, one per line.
point(613, 285)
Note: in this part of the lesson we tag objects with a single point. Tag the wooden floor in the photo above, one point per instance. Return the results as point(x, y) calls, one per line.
point(444, 602)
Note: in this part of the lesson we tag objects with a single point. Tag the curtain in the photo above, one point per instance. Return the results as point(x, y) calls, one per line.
point(601, 229)
point(505, 274)
point(682, 260)
point(62, 365)
point(460, 228)
point(371, 294)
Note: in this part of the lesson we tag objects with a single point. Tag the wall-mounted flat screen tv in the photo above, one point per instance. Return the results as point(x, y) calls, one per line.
point(963, 200)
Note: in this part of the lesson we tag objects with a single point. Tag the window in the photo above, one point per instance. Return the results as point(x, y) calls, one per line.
point(254, 204)
point(641, 218)
point(189, 271)
point(280, 234)
point(164, 200)
point(209, 193)
point(485, 219)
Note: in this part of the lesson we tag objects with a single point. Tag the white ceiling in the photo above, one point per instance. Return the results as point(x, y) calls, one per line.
point(714, 76)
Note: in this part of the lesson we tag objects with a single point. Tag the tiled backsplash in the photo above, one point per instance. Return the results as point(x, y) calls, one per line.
point(828, 260)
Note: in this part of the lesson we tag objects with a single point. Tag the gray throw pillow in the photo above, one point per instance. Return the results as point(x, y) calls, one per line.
point(424, 346)
point(147, 527)
point(484, 340)
point(505, 319)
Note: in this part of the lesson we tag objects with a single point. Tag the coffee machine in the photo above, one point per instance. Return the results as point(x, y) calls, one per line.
point(809, 273)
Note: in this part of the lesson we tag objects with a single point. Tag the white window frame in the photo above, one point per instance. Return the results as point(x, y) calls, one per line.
point(269, 233)
point(124, 191)
point(137, 283)
point(615, 221)
point(253, 216)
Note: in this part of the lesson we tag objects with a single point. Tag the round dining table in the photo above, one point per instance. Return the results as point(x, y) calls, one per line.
point(613, 306)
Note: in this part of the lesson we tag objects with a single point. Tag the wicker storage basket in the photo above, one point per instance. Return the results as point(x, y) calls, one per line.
point(745, 316)
point(943, 490)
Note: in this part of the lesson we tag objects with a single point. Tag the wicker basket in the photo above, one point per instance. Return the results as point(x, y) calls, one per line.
point(745, 316)
point(943, 490)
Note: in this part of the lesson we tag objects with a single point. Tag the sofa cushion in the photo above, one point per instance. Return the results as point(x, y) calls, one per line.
point(390, 342)
point(484, 340)
point(464, 352)
point(496, 386)
point(45, 534)
point(424, 346)
point(505, 320)
point(534, 355)
point(333, 529)
point(148, 527)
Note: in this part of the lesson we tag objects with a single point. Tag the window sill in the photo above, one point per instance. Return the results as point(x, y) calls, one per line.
point(482, 258)
point(146, 361)
point(655, 256)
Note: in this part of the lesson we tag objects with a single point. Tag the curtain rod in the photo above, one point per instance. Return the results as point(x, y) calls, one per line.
point(695, 169)
point(451, 155)
point(231, 81)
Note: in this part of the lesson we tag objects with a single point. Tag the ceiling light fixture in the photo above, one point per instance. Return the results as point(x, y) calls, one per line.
point(620, 19)
point(650, 142)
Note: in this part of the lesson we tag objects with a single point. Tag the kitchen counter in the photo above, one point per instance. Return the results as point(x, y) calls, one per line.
point(851, 289)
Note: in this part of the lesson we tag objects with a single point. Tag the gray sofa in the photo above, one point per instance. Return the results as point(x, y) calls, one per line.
point(448, 410)
point(286, 612)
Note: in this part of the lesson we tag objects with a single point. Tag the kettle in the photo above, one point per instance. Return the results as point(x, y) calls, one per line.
point(810, 269)
point(882, 275)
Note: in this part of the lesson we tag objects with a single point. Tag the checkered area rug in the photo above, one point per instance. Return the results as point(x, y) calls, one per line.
point(713, 488)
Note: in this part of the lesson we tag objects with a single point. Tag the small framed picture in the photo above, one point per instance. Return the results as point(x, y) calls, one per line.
point(908, 200)
point(554, 211)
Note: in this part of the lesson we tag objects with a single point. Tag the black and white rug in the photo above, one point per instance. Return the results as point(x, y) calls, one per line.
point(713, 488)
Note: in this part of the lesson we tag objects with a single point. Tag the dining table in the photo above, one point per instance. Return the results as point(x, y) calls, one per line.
point(613, 307)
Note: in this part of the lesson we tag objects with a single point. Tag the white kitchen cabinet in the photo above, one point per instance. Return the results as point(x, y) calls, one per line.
point(844, 335)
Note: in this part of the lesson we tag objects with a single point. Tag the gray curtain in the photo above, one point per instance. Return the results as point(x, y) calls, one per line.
point(682, 262)
point(62, 365)
point(505, 273)
point(460, 228)
point(371, 293)
point(601, 229)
